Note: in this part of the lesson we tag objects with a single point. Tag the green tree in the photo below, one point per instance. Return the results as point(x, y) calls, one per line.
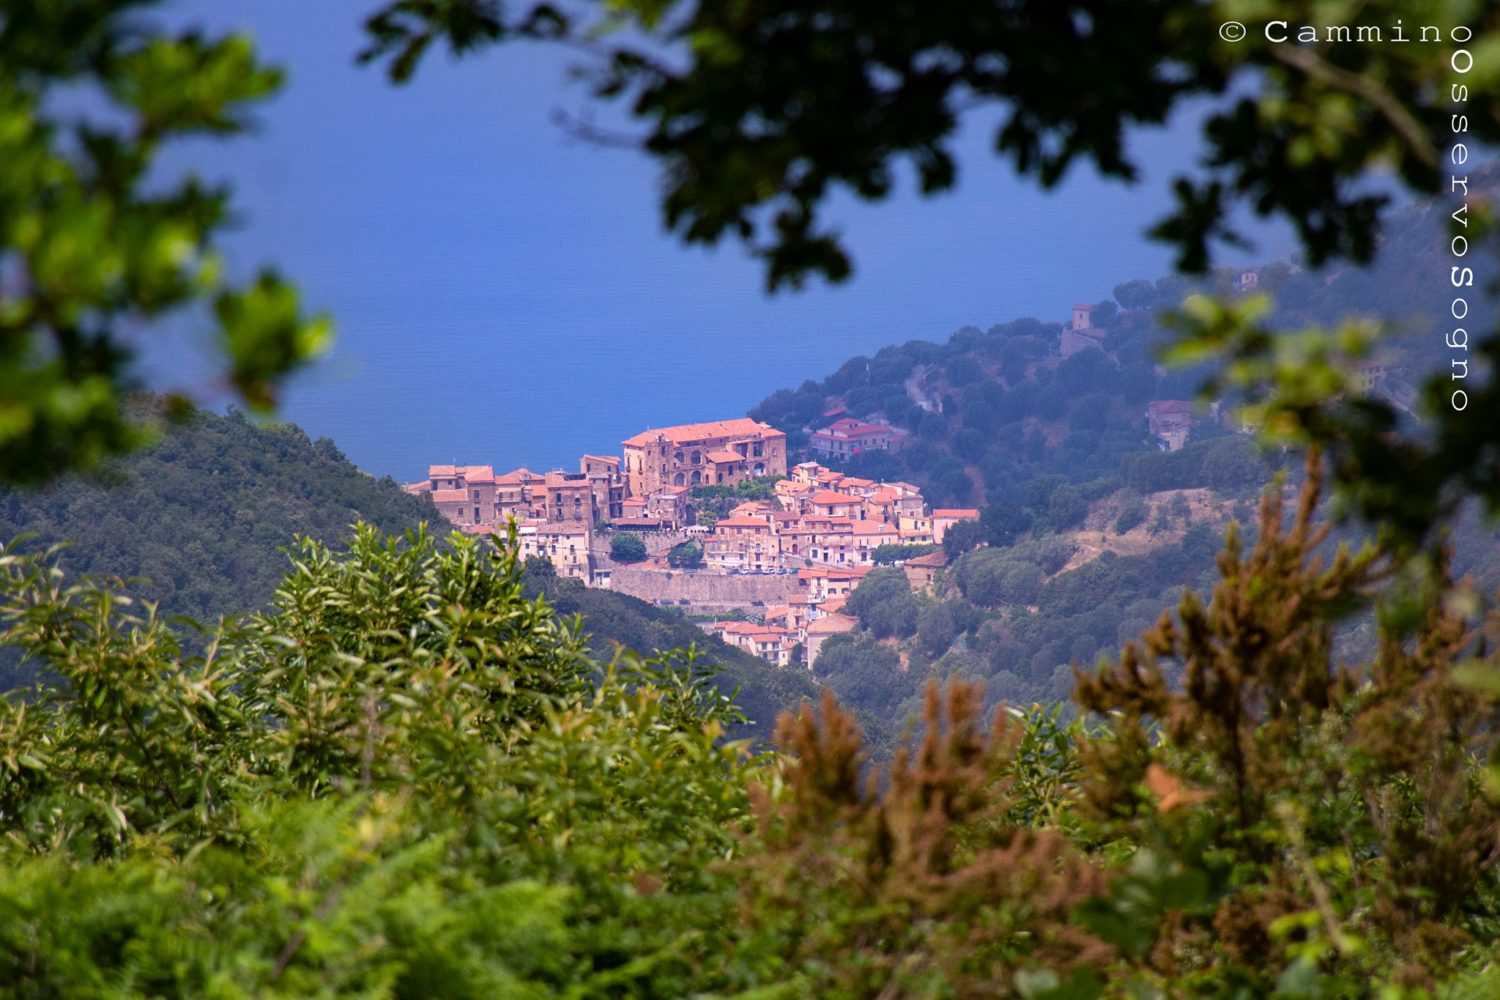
point(685, 555)
point(97, 232)
point(404, 779)
point(884, 604)
point(626, 547)
point(993, 577)
point(962, 537)
point(884, 555)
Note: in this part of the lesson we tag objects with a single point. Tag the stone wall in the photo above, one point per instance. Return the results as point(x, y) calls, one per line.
point(704, 588)
point(658, 543)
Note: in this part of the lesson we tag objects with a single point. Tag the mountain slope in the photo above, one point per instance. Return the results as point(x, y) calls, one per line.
point(199, 516)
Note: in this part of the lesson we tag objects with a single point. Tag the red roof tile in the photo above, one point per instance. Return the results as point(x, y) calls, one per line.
point(684, 433)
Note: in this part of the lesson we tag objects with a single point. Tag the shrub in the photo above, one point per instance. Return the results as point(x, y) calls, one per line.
point(625, 547)
point(686, 555)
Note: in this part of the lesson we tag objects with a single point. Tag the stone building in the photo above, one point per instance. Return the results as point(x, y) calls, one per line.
point(569, 497)
point(848, 437)
point(464, 494)
point(945, 518)
point(607, 478)
point(1170, 421)
point(719, 453)
point(564, 545)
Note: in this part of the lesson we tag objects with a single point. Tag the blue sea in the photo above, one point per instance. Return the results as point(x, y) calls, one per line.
point(505, 294)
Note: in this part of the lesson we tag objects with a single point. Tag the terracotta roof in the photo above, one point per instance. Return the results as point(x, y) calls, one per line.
point(834, 624)
point(751, 630)
point(851, 428)
point(683, 433)
point(848, 573)
point(874, 528)
point(611, 459)
point(826, 497)
point(441, 471)
point(721, 455)
point(743, 522)
point(957, 513)
point(449, 496)
point(518, 476)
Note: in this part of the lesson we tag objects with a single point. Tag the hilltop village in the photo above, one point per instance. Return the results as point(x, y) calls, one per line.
point(712, 519)
point(789, 553)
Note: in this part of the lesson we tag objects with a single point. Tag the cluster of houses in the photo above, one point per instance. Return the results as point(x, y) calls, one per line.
point(814, 612)
point(649, 488)
point(821, 517)
point(822, 526)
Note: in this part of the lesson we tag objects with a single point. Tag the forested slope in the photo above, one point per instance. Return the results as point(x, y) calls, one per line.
point(201, 515)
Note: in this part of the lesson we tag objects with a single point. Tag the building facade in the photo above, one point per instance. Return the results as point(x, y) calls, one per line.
point(720, 453)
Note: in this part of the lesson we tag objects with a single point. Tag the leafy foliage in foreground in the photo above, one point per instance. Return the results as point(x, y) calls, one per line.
point(98, 236)
point(405, 779)
point(409, 779)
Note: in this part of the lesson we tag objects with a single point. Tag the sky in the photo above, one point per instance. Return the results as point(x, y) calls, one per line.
point(506, 294)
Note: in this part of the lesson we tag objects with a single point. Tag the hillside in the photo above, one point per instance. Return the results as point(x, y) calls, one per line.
point(991, 410)
point(198, 518)
point(1088, 529)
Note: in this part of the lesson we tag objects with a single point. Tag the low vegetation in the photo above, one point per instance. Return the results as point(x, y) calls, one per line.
point(406, 777)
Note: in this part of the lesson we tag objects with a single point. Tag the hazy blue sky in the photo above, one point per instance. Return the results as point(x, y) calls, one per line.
point(505, 294)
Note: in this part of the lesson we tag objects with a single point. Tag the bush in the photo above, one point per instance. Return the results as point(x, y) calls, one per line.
point(884, 604)
point(686, 555)
point(1133, 515)
point(884, 555)
point(625, 547)
point(404, 779)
